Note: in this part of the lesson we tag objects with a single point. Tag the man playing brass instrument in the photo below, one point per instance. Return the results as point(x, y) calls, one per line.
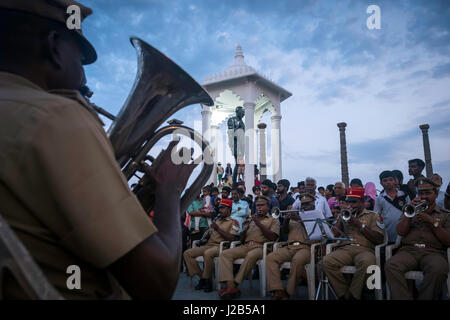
point(366, 230)
point(224, 229)
point(61, 189)
point(257, 229)
point(425, 239)
point(297, 252)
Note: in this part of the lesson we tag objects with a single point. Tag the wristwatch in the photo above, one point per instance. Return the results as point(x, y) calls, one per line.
point(363, 226)
point(436, 222)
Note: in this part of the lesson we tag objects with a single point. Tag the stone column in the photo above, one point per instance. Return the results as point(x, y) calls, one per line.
point(276, 147)
point(426, 149)
point(344, 163)
point(262, 151)
point(206, 132)
point(214, 146)
point(250, 158)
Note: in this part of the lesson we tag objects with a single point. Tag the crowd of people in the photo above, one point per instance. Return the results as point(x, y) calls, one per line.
point(227, 213)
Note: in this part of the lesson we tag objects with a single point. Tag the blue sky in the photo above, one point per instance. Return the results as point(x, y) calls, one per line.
point(383, 83)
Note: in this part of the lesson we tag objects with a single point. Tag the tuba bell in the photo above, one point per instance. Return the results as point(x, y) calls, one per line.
point(160, 89)
point(410, 210)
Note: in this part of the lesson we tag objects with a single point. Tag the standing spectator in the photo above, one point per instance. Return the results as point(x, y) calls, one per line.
point(320, 203)
point(228, 172)
point(285, 202)
point(441, 194)
point(321, 191)
point(398, 176)
point(329, 192)
point(256, 190)
point(415, 168)
point(220, 171)
point(356, 183)
point(194, 211)
point(371, 190)
point(301, 187)
point(240, 210)
point(257, 182)
point(389, 204)
point(339, 191)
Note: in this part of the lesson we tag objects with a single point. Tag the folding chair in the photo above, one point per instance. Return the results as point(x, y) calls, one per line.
point(411, 275)
point(200, 259)
point(310, 268)
point(352, 269)
point(261, 263)
point(15, 258)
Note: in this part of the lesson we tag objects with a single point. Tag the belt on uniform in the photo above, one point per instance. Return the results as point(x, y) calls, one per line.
point(421, 246)
point(295, 243)
point(251, 243)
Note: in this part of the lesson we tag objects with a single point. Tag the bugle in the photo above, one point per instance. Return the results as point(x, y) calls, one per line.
point(410, 210)
point(347, 214)
point(277, 213)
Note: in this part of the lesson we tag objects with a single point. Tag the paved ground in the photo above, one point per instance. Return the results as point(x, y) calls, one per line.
point(185, 292)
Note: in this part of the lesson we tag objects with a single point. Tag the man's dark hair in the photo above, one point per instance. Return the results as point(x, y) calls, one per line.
point(226, 188)
point(419, 162)
point(357, 181)
point(267, 182)
point(330, 187)
point(398, 174)
point(255, 188)
point(214, 189)
point(386, 174)
point(301, 183)
point(321, 188)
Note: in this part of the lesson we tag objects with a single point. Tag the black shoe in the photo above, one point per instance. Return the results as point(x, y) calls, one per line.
point(208, 286)
point(201, 284)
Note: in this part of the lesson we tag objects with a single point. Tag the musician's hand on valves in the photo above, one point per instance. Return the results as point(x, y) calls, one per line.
point(166, 176)
point(355, 222)
point(425, 218)
point(416, 201)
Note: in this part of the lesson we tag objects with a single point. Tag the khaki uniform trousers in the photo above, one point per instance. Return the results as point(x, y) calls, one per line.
point(251, 255)
point(298, 257)
point(433, 264)
point(209, 252)
point(358, 256)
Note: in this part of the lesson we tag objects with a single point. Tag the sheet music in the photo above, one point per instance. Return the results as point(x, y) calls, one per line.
point(313, 229)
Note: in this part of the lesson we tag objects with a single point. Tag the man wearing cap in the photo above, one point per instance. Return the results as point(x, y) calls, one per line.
point(61, 189)
point(297, 252)
point(223, 229)
point(425, 239)
point(365, 231)
point(389, 204)
point(268, 190)
point(260, 228)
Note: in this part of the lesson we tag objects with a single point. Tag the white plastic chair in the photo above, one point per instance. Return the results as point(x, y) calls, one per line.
point(261, 266)
point(411, 275)
point(200, 259)
point(352, 269)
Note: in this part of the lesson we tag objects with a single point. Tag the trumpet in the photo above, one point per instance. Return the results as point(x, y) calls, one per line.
point(410, 210)
point(347, 214)
point(276, 213)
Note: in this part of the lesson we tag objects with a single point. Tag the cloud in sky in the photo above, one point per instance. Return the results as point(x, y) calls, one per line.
point(383, 83)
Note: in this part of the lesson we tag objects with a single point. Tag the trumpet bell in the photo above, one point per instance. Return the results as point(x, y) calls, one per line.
point(409, 210)
point(276, 213)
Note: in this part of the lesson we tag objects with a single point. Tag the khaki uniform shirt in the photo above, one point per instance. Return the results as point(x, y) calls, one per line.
point(421, 233)
point(297, 233)
point(254, 233)
point(372, 221)
point(226, 224)
point(61, 190)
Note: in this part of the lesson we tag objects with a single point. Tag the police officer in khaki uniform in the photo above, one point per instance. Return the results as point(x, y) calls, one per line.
point(256, 230)
point(425, 239)
point(223, 229)
point(297, 252)
point(365, 231)
point(61, 189)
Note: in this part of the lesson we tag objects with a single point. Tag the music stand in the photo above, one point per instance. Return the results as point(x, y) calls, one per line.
point(319, 229)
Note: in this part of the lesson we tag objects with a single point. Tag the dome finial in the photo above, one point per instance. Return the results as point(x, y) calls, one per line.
point(239, 56)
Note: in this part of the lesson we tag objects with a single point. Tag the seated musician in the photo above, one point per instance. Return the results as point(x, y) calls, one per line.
point(256, 230)
point(425, 239)
point(365, 231)
point(224, 229)
point(297, 252)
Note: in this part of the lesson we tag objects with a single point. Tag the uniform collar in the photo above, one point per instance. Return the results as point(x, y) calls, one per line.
point(12, 80)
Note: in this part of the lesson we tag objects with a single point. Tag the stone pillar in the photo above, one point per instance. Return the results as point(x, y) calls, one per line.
point(426, 149)
point(206, 133)
point(344, 163)
point(250, 158)
point(214, 146)
point(262, 151)
point(276, 148)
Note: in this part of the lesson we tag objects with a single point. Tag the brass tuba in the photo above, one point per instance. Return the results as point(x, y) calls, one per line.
point(160, 89)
